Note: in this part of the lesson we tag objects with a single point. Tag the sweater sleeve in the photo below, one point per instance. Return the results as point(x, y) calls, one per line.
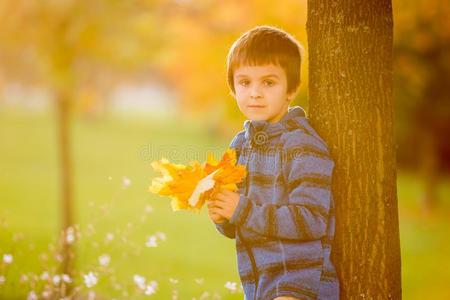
point(308, 171)
point(226, 228)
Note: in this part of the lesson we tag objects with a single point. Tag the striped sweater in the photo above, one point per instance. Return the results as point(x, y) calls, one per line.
point(284, 222)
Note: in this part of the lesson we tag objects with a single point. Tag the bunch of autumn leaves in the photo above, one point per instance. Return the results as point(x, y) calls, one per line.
point(190, 186)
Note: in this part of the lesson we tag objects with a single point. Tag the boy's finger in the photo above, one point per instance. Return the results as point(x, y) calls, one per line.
point(216, 210)
point(220, 197)
point(219, 192)
point(219, 205)
point(213, 204)
point(225, 191)
point(220, 200)
point(221, 212)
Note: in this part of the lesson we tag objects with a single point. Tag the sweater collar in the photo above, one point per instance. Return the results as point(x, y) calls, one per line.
point(259, 132)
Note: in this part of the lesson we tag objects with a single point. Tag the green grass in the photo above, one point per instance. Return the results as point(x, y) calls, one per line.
point(424, 240)
point(107, 149)
point(104, 151)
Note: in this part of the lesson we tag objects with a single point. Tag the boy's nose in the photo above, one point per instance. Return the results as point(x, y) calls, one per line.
point(255, 92)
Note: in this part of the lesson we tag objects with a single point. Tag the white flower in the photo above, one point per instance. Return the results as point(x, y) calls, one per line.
point(44, 276)
point(151, 242)
point(90, 280)
point(2, 280)
point(140, 281)
point(23, 278)
point(231, 286)
point(174, 295)
point(90, 229)
point(126, 182)
point(151, 288)
point(148, 208)
point(66, 278)
point(161, 235)
point(46, 294)
point(204, 295)
point(104, 260)
point(32, 296)
point(56, 279)
point(173, 280)
point(70, 235)
point(70, 238)
point(7, 258)
point(43, 256)
point(199, 280)
point(91, 295)
point(109, 236)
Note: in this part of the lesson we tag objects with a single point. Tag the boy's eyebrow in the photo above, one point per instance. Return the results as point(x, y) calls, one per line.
point(268, 75)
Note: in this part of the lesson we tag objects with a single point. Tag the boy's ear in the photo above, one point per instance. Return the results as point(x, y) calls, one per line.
point(291, 96)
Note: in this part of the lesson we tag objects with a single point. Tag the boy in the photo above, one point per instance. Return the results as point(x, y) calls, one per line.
point(283, 214)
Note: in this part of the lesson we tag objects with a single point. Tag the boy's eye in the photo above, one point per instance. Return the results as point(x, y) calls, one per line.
point(266, 82)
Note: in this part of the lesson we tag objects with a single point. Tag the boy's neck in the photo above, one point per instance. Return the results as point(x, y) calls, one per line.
point(280, 116)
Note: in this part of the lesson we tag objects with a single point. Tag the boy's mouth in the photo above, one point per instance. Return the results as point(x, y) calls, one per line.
point(255, 106)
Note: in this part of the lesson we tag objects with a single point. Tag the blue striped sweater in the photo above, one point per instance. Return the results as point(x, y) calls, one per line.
point(284, 223)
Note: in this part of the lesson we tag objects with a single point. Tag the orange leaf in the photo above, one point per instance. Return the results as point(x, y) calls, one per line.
point(183, 183)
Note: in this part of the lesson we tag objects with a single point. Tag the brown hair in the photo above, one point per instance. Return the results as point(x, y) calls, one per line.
point(266, 45)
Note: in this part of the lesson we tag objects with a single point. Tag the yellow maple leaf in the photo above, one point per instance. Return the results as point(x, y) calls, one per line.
point(190, 186)
point(228, 173)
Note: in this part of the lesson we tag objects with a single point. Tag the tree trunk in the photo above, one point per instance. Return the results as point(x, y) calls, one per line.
point(351, 106)
point(63, 119)
point(63, 78)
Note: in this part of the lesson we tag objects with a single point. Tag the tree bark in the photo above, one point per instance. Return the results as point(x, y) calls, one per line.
point(64, 145)
point(62, 55)
point(351, 106)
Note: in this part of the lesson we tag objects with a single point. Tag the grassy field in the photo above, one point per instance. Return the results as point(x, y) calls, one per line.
point(109, 151)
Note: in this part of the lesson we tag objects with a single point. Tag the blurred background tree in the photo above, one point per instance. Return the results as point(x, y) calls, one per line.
point(67, 46)
point(422, 92)
point(202, 32)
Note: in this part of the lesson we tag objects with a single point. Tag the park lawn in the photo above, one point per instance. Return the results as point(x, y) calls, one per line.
point(105, 151)
point(424, 240)
point(109, 150)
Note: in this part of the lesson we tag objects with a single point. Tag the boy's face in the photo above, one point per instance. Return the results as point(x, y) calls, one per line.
point(261, 92)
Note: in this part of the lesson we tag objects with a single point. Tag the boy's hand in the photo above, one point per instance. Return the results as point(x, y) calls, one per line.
point(224, 203)
point(213, 214)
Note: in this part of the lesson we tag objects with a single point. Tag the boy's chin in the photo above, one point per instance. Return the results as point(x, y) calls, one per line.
point(257, 118)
